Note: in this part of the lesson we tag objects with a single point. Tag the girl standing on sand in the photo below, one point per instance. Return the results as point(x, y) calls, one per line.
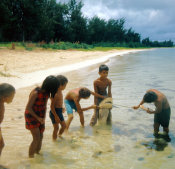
point(7, 93)
point(36, 110)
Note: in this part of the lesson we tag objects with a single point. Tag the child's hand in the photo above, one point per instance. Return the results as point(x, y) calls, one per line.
point(57, 120)
point(148, 111)
point(41, 120)
point(64, 110)
point(144, 108)
point(135, 107)
point(95, 107)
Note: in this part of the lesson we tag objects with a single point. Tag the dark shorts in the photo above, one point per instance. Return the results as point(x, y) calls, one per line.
point(163, 118)
point(70, 106)
point(31, 122)
point(59, 112)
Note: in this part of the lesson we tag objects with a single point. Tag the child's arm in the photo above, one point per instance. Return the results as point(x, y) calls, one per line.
point(109, 89)
point(95, 89)
point(30, 103)
point(90, 107)
point(136, 107)
point(79, 110)
point(98, 95)
point(52, 106)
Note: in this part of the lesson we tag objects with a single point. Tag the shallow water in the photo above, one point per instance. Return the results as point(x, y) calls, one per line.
point(126, 144)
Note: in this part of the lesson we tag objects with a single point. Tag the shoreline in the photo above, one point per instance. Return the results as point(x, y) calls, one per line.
point(26, 79)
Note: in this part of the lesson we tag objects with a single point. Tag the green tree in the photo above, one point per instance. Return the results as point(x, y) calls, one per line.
point(96, 29)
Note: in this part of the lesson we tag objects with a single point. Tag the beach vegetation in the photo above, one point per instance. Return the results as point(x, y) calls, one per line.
point(56, 25)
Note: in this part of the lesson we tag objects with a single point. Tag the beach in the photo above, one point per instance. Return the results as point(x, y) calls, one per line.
point(25, 68)
point(22, 66)
point(129, 137)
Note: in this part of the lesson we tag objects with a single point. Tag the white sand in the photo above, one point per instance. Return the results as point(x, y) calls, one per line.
point(30, 68)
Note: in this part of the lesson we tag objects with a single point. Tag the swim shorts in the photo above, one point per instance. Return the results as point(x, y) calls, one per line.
point(59, 112)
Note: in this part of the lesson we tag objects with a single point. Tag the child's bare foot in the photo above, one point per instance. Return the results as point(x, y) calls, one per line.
point(60, 137)
point(31, 156)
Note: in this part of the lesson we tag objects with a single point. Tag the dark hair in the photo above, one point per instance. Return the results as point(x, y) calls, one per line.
point(50, 85)
point(6, 90)
point(84, 93)
point(62, 79)
point(150, 97)
point(103, 67)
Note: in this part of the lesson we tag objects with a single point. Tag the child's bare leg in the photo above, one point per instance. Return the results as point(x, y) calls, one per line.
point(81, 119)
point(63, 127)
point(39, 144)
point(166, 130)
point(36, 139)
point(55, 131)
point(69, 120)
point(94, 118)
point(156, 128)
point(1, 142)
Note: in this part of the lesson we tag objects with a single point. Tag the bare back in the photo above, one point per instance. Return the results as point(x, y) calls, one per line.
point(161, 100)
point(73, 94)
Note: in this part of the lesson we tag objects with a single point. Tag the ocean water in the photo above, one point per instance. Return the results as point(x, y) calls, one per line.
point(128, 143)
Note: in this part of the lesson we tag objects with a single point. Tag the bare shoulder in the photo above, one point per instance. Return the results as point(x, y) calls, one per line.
point(33, 93)
point(71, 95)
point(96, 81)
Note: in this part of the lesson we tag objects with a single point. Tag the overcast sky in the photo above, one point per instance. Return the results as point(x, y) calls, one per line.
point(151, 18)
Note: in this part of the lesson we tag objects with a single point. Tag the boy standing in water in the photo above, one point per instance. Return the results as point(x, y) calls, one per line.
point(72, 101)
point(57, 109)
point(100, 86)
point(7, 93)
point(162, 112)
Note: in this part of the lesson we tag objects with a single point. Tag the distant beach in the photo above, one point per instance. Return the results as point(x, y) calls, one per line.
point(26, 68)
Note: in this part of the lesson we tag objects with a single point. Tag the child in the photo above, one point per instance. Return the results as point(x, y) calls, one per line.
point(72, 101)
point(162, 112)
point(56, 115)
point(100, 86)
point(7, 93)
point(36, 110)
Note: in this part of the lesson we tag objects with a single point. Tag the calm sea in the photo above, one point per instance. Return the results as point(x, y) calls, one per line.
point(128, 143)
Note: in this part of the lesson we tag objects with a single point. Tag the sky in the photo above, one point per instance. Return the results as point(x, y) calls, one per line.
point(151, 18)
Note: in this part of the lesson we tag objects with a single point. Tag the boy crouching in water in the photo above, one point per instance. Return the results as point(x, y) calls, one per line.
point(100, 86)
point(72, 101)
point(162, 112)
point(57, 109)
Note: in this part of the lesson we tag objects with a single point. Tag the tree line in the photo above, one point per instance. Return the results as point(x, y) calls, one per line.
point(48, 20)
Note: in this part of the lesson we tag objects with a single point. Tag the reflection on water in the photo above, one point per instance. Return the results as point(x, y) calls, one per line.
point(127, 144)
point(157, 144)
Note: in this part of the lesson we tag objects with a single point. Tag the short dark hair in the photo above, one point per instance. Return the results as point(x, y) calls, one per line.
point(84, 92)
point(6, 90)
point(50, 85)
point(150, 97)
point(62, 79)
point(103, 67)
